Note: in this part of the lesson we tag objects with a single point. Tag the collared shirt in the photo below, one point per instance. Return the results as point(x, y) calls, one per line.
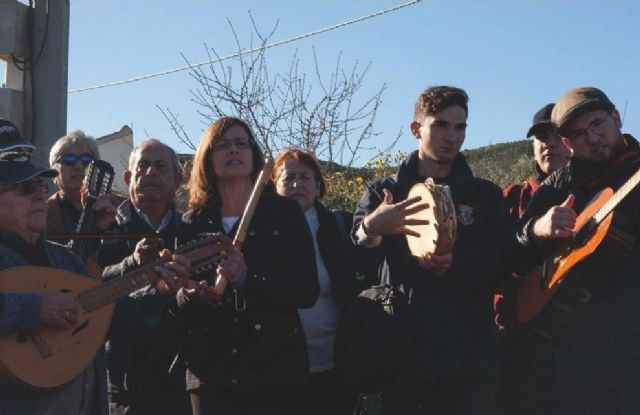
point(166, 220)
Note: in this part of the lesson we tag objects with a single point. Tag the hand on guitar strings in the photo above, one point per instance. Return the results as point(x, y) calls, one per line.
point(436, 264)
point(558, 222)
point(174, 274)
point(147, 250)
point(106, 212)
point(391, 218)
point(58, 309)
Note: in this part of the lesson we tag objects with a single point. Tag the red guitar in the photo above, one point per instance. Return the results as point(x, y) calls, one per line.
point(593, 226)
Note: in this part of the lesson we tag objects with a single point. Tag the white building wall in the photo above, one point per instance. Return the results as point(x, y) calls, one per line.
point(115, 149)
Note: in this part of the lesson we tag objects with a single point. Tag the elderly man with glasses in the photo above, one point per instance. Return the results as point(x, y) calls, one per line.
point(595, 314)
point(22, 224)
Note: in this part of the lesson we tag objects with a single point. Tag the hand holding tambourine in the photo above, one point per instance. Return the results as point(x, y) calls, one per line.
point(434, 235)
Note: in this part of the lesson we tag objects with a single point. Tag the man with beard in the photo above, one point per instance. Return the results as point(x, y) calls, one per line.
point(453, 364)
point(527, 357)
point(142, 342)
point(596, 353)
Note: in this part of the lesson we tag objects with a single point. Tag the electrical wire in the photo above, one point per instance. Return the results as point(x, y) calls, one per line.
point(28, 64)
point(245, 52)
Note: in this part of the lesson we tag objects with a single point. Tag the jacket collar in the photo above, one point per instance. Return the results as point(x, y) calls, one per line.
point(127, 213)
point(408, 173)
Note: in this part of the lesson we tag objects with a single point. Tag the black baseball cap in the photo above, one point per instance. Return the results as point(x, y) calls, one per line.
point(11, 139)
point(16, 167)
point(541, 119)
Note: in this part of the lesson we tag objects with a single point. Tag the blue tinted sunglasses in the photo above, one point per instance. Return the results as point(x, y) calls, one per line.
point(72, 159)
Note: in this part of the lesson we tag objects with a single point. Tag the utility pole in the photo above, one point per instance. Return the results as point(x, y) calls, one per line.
point(50, 39)
point(34, 42)
point(13, 44)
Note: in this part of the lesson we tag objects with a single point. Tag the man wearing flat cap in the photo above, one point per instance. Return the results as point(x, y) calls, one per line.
point(22, 223)
point(593, 320)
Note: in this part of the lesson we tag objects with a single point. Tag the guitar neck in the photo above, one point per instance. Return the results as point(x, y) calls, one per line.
point(86, 225)
point(111, 291)
point(617, 197)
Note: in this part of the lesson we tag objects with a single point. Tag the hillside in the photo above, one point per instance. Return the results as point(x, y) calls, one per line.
point(503, 163)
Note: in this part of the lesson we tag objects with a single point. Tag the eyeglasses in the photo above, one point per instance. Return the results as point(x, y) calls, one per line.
point(26, 188)
point(225, 144)
point(596, 126)
point(71, 159)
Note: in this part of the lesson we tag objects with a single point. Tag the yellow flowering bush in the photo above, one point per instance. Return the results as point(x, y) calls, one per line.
point(346, 186)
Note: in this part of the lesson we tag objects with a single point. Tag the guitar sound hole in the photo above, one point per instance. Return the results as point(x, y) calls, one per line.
point(584, 234)
point(65, 290)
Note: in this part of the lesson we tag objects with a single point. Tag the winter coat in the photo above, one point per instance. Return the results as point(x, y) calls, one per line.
point(451, 316)
point(255, 339)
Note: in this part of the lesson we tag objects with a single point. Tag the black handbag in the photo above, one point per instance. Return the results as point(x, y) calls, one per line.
point(372, 338)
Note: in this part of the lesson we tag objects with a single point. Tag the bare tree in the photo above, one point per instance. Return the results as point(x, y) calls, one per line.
point(324, 114)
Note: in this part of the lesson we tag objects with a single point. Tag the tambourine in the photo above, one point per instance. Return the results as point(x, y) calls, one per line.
point(439, 234)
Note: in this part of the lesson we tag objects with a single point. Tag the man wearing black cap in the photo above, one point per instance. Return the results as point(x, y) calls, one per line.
point(597, 352)
point(11, 141)
point(22, 223)
point(549, 153)
point(524, 388)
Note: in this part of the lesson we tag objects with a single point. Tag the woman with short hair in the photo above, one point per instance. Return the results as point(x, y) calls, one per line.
point(297, 175)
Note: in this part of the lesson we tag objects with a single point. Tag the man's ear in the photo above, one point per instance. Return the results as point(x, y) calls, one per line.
point(415, 129)
point(616, 118)
point(567, 143)
point(127, 177)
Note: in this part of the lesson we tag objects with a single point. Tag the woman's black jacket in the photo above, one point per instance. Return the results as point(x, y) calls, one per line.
point(255, 338)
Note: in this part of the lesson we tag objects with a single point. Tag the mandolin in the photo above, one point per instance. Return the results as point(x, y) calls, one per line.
point(98, 180)
point(595, 225)
point(50, 356)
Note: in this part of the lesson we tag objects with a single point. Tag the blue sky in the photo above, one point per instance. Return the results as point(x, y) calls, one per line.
point(512, 57)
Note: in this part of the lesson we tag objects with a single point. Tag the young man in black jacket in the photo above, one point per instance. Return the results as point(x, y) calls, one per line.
point(452, 363)
point(597, 352)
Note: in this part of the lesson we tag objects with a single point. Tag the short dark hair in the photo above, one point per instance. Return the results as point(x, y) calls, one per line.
point(438, 98)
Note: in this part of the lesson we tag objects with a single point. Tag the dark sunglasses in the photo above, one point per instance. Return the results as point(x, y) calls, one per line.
point(26, 188)
point(71, 159)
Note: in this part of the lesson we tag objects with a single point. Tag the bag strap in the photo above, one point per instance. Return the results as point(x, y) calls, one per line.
point(342, 226)
point(346, 239)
